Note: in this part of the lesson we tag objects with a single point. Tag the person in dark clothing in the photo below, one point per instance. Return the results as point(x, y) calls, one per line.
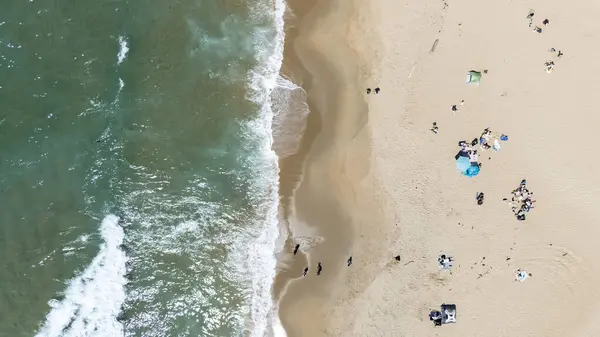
point(368, 91)
point(296, 249)
point(377, 90)
point(546, 21)
point(319, 269)
point(397, 257)
point(349, 261)
point(480, 197)
point(305, 272)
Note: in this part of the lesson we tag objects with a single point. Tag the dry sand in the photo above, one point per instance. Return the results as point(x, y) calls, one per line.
point(372, 181)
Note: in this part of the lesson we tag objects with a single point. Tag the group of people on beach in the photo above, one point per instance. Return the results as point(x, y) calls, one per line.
point(537, 28)
point(376, 90)
point(521, 201)
point(348, 262)
point(548, 65)
point(468, 150)
point(489, 140)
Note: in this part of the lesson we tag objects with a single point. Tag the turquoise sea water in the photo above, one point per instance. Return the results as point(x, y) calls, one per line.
point(138, 188)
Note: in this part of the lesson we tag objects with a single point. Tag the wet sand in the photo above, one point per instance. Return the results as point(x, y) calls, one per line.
point(372, 181)
point(323, 200)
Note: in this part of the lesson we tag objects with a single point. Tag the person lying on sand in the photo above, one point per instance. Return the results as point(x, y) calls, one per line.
point(296, 249)
point(305, 272)
point(319, 269)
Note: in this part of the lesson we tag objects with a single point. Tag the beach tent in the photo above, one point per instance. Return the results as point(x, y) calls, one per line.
point(473, 76)
point(472, 171)
point(462, 164)
point(448, 313)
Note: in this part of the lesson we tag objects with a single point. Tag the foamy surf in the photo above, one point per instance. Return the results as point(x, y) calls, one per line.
point(123, 50)
point(93, 299)
point(261, 261)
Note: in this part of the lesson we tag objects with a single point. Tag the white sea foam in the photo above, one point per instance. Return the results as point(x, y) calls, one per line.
point(289, 121)
point(93, 299)
point(123, 50)
point(260, 254)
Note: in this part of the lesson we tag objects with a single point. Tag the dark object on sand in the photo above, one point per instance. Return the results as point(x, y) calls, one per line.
point(305, 272)
point(436, 317)
point(377, 90)
point(397, 257)
point(546, 21)
point(368, 91)
point(480, 197)
point(319, 269)
point(296, 249)
point(474, 142)
point(454, 108)
point(446, 315)
point(349, 261)
point(445, 262)
point(435, 44)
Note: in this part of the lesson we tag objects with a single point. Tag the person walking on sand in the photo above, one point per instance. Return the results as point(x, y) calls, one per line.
point(296, 249)
point(349, 261)
point(377, 90)
point(305, 272)
point(319, 269)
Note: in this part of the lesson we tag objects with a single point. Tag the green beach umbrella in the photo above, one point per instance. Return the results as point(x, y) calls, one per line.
point(473, 76)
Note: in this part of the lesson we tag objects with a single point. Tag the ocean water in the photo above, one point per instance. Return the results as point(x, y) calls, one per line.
point(138, 181)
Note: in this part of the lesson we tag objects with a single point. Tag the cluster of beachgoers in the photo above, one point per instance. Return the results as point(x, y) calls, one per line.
point(549, 65)
point(467, 158)
point(521, 201)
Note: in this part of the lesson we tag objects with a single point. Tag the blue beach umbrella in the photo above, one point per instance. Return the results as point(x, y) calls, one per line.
point(462, 164)
point(472, 171)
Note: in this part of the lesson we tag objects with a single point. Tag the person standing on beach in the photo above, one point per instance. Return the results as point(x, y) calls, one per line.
point(319, 269)
point(296, 249)
point(305, 272)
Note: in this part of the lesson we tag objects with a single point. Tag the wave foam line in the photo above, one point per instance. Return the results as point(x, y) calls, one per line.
point(92, 300)
point(261, 260)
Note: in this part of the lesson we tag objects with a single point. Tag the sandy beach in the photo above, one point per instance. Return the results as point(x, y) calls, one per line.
point(372, 181)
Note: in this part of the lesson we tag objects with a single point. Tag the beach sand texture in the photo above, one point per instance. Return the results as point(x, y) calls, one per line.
point(372, 181)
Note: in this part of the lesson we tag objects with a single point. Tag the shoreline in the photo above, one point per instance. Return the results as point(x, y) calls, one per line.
point(322, 200)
